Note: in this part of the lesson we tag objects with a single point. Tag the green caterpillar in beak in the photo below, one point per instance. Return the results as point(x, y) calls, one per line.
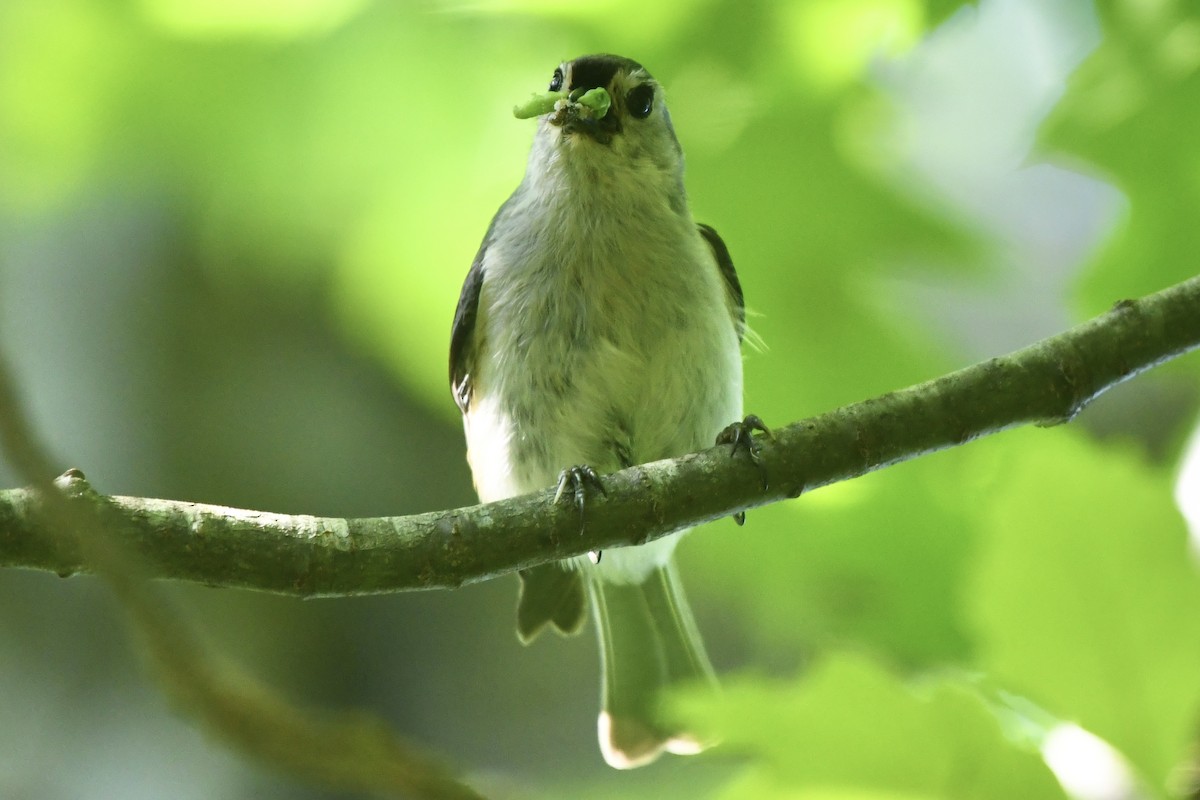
point(595, 100)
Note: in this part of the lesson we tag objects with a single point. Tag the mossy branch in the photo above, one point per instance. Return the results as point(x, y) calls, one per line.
point(1046, 383)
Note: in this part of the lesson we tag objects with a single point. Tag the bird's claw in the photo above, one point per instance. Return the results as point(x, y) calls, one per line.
point(740, 436)
point(577, 481)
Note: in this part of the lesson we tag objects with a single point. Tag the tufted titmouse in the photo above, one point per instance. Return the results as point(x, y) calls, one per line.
point(600, 327)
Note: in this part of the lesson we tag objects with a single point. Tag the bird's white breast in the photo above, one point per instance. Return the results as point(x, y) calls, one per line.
point(604, 339)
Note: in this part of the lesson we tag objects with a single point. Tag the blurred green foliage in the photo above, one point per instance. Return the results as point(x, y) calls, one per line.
point(851, 730)
point(1128, 113)
point(1092, 609)
point(353, 152)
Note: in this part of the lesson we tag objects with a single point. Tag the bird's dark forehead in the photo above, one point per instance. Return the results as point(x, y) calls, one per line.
point(589, 72)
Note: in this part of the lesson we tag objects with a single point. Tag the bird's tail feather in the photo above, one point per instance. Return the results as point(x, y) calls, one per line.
point(551, 596)
point(648, 641)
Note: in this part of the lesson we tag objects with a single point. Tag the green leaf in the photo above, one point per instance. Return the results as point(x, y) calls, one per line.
point(850, 729)
point(875, 563)
point(1086, 599)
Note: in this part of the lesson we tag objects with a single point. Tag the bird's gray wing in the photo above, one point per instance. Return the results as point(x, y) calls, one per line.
point(733, 287)
point(464, 344)
point(462, 335)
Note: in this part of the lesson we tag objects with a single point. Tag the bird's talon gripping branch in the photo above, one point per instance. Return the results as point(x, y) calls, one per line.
point(740, 436)
point(576, 481)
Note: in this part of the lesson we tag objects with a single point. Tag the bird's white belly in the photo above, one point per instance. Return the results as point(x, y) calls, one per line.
point(606, 406)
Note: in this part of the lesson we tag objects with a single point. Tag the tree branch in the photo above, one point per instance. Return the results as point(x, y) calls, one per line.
point(1046, 383)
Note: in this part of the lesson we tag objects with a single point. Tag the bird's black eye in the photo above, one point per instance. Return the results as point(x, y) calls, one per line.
point(640, 101)
point(556, 81)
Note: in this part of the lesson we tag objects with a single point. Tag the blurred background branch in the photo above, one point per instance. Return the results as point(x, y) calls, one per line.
point(346, 751)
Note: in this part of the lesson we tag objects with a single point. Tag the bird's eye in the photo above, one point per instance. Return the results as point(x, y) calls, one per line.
point(556, 81)
point(640, 100)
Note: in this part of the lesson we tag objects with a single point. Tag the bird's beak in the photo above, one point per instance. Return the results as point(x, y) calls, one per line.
point(587, 112)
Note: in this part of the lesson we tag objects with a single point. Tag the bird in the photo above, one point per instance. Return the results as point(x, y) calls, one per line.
point(600, 326)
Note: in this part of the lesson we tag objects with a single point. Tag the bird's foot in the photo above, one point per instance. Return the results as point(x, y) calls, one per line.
point(740, 436)
point(578, 483)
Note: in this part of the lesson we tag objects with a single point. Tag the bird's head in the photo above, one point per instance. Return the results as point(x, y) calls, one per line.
point(605, 110)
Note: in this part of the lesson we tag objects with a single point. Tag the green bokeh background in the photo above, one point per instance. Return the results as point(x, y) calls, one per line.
point(232, 236)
